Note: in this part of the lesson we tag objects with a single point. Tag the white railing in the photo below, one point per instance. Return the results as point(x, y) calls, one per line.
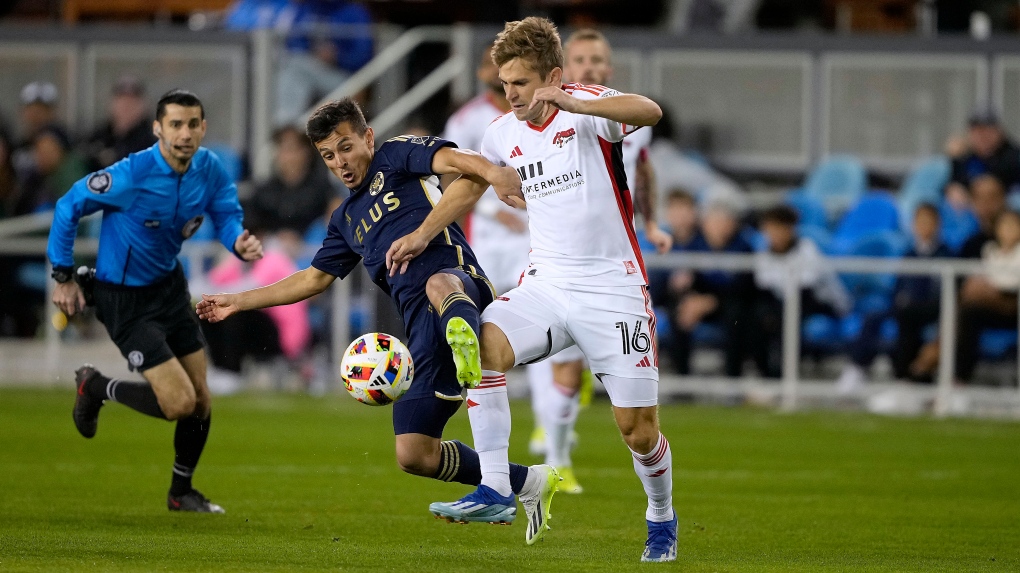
point(947, 269)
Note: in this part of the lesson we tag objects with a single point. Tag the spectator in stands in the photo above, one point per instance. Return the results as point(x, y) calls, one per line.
point(989, 301)
point(681, 215)
point(318, 60)
point(988, 200)
point(915, 307)
point(56, 167)
point(260, 334)
point(128, 129)
point(713, 296)
point(8, 179)
point(38, 110)
point(297, 194)
point(986, 150)
point(821, 291)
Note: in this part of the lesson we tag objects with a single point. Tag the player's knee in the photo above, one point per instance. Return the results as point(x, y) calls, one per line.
point(203, 404)
point(416, 463)
point(440, 285)
point(497, 354)
point(181, 404)
point(640, 429)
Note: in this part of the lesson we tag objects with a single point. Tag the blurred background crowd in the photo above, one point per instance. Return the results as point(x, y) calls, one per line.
point(957, 199)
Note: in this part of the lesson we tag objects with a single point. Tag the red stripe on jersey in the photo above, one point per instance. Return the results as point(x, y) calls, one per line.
point(544, 125)
point(651, 326)
point(624, 203)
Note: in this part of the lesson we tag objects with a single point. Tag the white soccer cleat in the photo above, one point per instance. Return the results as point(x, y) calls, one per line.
point(537, 501)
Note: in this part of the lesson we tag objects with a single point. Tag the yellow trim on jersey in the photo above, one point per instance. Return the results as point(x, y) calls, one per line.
point(449, 398)
point(460, 256)
point(428, 195)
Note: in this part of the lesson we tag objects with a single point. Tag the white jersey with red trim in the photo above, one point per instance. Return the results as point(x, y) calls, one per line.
point(635, 147)
point(579, 207)
point(502, 253)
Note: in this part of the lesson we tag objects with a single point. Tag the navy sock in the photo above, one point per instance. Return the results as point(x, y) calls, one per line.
point(138, 396)
point(518, 474)
point(459, 463)
point(189, 441)
point(460, 304)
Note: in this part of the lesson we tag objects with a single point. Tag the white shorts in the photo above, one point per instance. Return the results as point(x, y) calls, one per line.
point(614, 328)
point(503, 264)
point(567, 355)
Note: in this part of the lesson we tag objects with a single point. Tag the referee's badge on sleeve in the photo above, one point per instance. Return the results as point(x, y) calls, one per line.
point(99, 182)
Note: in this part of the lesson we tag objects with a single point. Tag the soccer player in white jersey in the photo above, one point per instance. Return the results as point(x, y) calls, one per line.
point(586, 283)
point(588, 60)
point(498, 233)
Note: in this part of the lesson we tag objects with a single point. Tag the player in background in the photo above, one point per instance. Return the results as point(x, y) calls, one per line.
point(152, 201)
point(498, 233)
point(588, 60)
point(439, 296)
point(586, 283)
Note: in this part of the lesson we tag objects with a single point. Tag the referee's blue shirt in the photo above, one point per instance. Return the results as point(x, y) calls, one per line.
point(148, 211)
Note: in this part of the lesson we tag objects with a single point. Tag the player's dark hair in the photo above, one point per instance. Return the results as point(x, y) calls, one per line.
point(780, 215)
point(532, 39)
point(183, 98)
point(928, 208)
point(325, 120)
point(680, 195)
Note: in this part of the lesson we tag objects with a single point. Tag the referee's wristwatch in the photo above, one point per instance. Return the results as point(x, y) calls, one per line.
point(62, 274)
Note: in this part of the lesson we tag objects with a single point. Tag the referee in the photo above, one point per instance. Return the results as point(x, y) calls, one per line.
point(151, 202)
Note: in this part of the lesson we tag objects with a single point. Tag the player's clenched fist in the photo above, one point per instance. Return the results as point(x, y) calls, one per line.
point(248, 246)
point(216, 307)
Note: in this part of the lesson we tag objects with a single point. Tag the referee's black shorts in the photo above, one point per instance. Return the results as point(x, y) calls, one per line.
point(150, 324)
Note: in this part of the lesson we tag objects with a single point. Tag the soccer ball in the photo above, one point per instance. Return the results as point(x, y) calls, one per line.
point(377, 369)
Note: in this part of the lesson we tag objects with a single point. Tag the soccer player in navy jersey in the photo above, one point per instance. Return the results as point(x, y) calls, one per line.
point(439, 294)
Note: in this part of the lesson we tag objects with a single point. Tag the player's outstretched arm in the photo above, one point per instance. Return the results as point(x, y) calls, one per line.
point(631, 109)
point(456, 201)
point(504, 180)
point(297, 287)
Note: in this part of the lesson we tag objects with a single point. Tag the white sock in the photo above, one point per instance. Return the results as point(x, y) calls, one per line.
point(655, 469)
point(560, 409)
point(489, 412)
point(540, 378)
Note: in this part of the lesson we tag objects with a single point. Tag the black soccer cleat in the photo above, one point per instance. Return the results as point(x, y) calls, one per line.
point(192, 501)
point(86, 407)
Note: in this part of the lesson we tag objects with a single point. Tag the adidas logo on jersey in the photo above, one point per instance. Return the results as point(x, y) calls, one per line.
point(516, 152)
point(645, 363)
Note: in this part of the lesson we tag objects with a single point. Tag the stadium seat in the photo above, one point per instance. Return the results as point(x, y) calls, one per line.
point(809, 209)
point(998, 344)
point(230, 158)
point(875, 213)
point(924, 184)
point(837, 182)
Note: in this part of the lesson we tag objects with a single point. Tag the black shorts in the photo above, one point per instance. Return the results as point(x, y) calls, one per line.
point(435, 394)
point(150, 324)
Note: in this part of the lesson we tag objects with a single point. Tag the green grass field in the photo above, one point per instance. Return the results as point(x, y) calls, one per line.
point(311, 485)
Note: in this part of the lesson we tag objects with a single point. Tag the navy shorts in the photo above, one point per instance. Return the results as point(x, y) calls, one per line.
point(435, 394)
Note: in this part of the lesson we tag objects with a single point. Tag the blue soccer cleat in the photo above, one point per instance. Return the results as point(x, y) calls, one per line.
point(661, 544)
point(483, 505)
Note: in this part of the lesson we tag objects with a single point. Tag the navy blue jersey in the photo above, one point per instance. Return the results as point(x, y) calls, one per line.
point(397, 194)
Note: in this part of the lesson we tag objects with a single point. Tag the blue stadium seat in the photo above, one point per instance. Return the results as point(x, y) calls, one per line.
point(998, 344)
point(875, 213)
point(838, 182)
point(957, 226)
point(924, 184)
point(810, 210)
point(230, 158)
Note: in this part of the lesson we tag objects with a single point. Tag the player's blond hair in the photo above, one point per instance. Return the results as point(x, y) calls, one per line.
point(534, 40)
point(586, 35)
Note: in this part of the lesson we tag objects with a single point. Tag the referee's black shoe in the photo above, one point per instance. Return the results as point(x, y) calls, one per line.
point(86, 407)
point(192, 501)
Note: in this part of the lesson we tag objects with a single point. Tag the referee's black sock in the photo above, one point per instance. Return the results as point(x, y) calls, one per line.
point(460, 304)
point(189, 440)
point(138, 396)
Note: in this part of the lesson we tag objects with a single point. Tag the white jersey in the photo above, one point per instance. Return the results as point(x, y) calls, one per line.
point(580, 212)
point(635, 147)
point(502, 253)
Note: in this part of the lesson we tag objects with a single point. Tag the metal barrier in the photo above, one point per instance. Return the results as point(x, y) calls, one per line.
point(947, 269)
